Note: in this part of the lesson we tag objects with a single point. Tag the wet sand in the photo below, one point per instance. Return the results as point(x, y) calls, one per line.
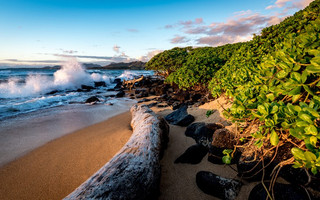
point(55, 169)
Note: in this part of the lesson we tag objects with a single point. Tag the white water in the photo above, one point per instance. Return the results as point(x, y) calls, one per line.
point(71, 76)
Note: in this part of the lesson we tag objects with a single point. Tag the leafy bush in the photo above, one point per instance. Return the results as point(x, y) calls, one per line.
point(169, 60)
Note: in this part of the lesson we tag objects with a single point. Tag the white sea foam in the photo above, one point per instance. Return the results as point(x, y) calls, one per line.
point(71, 76)
point(127, 75)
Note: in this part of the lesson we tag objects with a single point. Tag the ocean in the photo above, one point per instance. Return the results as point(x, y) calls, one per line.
point(28, 90)
point(39, 105)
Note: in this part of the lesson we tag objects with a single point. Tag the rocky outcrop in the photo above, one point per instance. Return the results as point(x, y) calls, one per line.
point(134, 173)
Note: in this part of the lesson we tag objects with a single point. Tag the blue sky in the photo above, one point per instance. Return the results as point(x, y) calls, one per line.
point(45, 32)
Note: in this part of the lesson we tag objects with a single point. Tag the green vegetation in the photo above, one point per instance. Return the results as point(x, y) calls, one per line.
point(169, 61)
point(274, 81)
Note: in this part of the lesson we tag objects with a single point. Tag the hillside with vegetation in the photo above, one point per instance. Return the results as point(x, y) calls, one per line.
point(273, 81)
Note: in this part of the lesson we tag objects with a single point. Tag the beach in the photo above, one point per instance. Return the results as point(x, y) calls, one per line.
point(58, 167)
point(55, 169)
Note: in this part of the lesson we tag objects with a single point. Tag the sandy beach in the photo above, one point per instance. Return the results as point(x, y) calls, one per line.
point(55, 169)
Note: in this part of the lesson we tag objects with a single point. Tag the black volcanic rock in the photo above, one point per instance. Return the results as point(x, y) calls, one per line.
point(121, 93)
point(92, 99)
point(87, 87)
point(202, 132)
point(180, 117)
point(218, 186)
point(193, 155)
point(281, 191)
point(117, 80)
point(100, 84)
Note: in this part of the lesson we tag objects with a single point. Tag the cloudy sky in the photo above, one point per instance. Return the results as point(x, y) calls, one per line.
point(45, 32)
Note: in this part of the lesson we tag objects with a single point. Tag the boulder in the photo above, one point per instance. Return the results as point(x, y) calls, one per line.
point(143, 100)
point(142, 94)
point(202, 132)
point(249, 166)
point(152, 104)
point(281, 191)
point(100, 84)
point(176, 104)
point(52, 92)
point(181, 96)
point(117, 80)
point(300, 176)
point(180, 117)
point(92, 99)
point(222, 139)
point(87, 87)
point(121, 93)
point(218, 186)
point(111, 95)
point(193, 155)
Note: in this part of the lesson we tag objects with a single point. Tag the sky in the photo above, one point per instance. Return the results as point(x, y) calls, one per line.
point(46, 32)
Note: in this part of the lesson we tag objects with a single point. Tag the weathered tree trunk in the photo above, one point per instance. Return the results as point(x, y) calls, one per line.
point(134, 173)
point(129, 84)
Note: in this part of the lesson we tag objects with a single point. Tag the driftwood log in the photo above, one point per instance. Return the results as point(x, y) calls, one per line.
point(134, 172)
point(129, 84)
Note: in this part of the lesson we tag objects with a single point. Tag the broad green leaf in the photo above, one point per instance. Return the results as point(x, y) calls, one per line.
point(312, 112)
point(301, 123)
point(274, 109)
point(314, 170)
point(295, 98)
point(226, 159)
point(262, 110)
point(308, 90)
point(298, 153)
point(313, 140)
point(296, 133)
point(296, 76)
point(304, 76)
point(313, 69)
point(270, 96)
point(282, 74)
point(295, 91)
point(227, 151)
point(258, 143)
point(305, 117)
point(309, 156)
point(311, 130)
point(274, 138)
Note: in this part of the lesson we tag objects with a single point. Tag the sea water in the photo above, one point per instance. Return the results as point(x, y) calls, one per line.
point(28, 90)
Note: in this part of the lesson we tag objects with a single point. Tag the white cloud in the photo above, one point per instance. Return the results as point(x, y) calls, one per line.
point(179, 40)
point(290, 4)
point(116, 48)
point(278, 4)
point(149, 55)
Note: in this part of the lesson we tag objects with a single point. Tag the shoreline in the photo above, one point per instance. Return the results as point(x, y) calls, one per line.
point(56, 168)
point(21, 135)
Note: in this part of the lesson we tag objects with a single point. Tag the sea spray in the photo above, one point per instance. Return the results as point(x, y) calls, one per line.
point(71, 76)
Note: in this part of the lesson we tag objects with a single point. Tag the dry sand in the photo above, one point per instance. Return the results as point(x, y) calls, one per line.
point(57, 168)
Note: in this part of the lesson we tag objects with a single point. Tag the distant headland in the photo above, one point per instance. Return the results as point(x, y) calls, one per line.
point(135, 65)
